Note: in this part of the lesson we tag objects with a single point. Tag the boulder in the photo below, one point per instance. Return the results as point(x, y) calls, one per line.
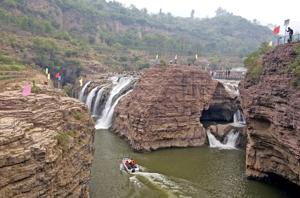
point(165, 107)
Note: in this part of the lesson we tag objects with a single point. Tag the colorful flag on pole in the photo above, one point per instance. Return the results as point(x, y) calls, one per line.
point(57, 75)
point(81, 82)
point(271, 43)
point(26, 90)
point(286, 22)
point(276, 30)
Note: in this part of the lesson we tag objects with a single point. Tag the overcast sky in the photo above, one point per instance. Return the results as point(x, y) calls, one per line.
point(265, 11)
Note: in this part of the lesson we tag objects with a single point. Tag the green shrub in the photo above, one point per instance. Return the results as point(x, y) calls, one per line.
point(254, 62)
point(63, 139)
point(35, 88)
point(77, 115)
point(5, 59)
point(9, 64)
point(294, 67)
point(45, 45)
point(163, 64)
point(10, 3)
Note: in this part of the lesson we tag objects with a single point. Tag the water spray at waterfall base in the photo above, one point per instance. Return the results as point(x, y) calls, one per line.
point(231, 138)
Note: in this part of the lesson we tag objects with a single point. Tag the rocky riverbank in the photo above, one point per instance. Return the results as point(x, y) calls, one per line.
point(272, 107)
point(46, 143)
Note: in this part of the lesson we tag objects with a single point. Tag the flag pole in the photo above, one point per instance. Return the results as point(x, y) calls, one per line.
point(286, 24)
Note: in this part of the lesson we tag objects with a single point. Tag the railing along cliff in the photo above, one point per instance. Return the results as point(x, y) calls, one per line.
point(284, 39)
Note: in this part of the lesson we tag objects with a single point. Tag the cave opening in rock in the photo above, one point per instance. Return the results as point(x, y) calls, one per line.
point(260, 123)
point(220, 113)
point(280, 182)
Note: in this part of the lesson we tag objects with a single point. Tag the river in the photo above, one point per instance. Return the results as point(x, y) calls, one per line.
point(189, 172)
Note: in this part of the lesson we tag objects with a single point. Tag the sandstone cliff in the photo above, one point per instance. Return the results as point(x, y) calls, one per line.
point(46, 145)
point(272, 108)
point(165, 107)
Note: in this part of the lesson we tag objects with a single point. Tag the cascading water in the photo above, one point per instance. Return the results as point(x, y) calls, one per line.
point(90, 98)
point(231, 87)
point(239, 119)
point(231, 138)
point(105, 123)
point(98, 98)
point(106, 117)
point(81, 95)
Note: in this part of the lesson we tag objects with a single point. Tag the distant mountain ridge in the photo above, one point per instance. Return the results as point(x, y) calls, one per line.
point(127, 37)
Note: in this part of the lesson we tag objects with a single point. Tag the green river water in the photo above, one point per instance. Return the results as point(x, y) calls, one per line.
point(190, 172)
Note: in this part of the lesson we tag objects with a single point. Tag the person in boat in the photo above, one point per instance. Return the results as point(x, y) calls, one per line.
point(127, 163)
point(133, 164)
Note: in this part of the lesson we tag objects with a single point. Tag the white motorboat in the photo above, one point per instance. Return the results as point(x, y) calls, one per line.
point(128, 167)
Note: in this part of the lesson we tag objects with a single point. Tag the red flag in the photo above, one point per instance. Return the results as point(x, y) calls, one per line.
point(276, 30)
point(57, 75)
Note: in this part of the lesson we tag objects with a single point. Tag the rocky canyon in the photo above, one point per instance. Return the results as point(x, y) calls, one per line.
point(46, 142)
point(272, 107)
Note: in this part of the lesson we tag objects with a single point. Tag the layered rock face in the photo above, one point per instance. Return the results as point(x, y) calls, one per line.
point(222, 107)
point(272, 108)
point(165, 107)
point(46, 146)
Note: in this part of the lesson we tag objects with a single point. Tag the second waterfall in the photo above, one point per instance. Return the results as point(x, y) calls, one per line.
point(102, 99)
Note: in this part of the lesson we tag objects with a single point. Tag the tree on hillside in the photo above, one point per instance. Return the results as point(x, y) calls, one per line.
point(220, 11)
point(192, 13)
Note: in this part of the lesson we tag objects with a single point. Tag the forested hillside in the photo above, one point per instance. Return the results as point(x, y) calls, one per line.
point(80, 34)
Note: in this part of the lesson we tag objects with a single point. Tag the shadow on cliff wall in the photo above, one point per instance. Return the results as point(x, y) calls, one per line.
point(291, 189)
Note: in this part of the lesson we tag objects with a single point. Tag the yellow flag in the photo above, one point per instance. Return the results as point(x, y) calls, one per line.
point(81, 82)
point(49, 76)
point(271, 43)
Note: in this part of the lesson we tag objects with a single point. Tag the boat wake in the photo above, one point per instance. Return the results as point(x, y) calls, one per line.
point(168, 187)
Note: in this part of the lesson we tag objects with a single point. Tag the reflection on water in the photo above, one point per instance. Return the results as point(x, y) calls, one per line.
point(190, 172)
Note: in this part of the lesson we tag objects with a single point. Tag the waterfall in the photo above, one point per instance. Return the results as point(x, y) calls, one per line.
point(90, 98)
point(81, 95)
point(98, 98)
point(231, 138)
point(105, 122)
point(106, 117)
point(231, 87)
point(239, 119)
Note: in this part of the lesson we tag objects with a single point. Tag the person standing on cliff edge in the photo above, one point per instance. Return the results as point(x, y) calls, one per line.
point(291, 32)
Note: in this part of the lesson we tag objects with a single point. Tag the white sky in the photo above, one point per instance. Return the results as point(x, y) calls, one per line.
point(265, 11)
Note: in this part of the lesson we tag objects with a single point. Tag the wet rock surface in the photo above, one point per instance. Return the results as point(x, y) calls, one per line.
point(165, 107)
point(272, 108)
point(46, 145)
